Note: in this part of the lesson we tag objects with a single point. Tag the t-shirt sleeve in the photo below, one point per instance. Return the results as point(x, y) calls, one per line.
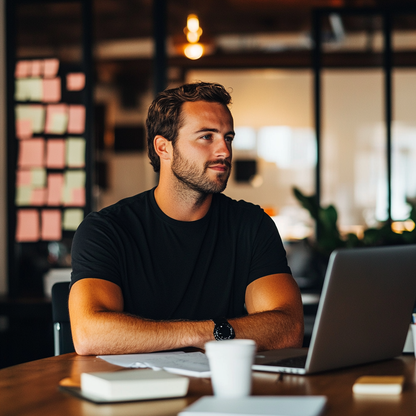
point(269, 255)
point(94, 254)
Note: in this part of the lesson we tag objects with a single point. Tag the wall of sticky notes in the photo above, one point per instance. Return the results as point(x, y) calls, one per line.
point(50, 126)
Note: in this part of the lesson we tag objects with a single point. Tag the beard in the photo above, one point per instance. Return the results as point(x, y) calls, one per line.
point(197, 179)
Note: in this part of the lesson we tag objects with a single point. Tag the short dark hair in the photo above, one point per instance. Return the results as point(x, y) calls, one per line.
point(164, 115)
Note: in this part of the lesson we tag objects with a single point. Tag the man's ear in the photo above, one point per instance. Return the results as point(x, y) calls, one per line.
point(163, 147)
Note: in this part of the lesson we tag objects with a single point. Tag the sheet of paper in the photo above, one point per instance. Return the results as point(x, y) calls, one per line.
point(72, 219)
point(194, 364)
point(75, 152)
point(75, 81)
point(38, 177)
point(23, 69)
point(31, 153)
point(55, 188)
point(33, 112)
point(75, 179)
point(51, 90)
point(76, 119)
point(134, 360)
point(51, 225)
point(55, 153)
point(27, 228)
point(56, 118)
point(50, 68)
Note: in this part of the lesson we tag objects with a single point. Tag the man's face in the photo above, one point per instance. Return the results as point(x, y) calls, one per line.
point(202, 153)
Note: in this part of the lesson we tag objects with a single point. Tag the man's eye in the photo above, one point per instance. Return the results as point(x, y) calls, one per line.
point(229, 138)
point(206, 137)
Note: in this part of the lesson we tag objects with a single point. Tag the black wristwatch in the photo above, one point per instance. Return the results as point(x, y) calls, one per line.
point(223, 330)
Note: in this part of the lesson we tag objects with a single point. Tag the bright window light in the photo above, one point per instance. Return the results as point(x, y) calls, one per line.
point(245, 138)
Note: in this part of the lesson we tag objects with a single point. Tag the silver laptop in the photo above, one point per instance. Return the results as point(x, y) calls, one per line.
point(363, 314)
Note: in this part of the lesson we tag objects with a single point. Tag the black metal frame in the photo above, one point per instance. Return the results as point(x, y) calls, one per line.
point(386, 14)
point(11, 145)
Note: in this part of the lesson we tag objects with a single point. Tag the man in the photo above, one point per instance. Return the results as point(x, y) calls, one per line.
point(153, 271)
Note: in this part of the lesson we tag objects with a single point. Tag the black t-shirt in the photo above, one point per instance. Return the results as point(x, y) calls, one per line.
point(169, 269)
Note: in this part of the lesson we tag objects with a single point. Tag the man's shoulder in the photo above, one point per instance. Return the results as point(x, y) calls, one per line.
point(134, 202)
point(238, 205)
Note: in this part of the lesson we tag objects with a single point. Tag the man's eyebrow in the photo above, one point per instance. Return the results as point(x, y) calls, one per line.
point(204, 129)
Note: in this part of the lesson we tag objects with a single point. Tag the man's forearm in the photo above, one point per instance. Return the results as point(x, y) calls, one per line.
point(270, 329)
point(120, 333)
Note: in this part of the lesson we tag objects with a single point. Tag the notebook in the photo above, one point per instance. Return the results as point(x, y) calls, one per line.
point(363, 314)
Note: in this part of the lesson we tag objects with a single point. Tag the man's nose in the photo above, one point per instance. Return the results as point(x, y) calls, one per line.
point(223, 148)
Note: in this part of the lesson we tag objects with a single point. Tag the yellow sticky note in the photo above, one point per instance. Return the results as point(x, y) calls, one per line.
point(75, 152)
point(72, 219)
point(75, 179)
point(34, 113)
point(23, 195)
point(56, 118)
point(38, 177)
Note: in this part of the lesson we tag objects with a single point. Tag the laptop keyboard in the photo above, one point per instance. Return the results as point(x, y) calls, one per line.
point(296, 362)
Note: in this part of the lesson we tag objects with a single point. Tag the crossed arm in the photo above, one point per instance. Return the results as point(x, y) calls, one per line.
point(99, 325)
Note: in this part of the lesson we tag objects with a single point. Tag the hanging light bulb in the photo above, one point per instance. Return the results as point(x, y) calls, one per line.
point(192, 23)
point(193, 32)
point(194, 51)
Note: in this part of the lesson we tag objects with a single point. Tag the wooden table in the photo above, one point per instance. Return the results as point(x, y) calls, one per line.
point(32, 389)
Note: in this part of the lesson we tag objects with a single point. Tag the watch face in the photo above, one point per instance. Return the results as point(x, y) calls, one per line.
point(223, 331)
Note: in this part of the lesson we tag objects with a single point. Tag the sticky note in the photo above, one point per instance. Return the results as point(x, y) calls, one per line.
point(72, 218)
point(37, 68)
point(74, 197)
point(50, 68)
point(38, 179)
point(55, 189)
point(23, 195)
point(23, 177)
point(38, 197)
point(75, 81)
point(28, 89)
point(27, 228)
point(75, 152)
point(23, 69)
point(51, 89)
point(51, 225)
point(75, 179)
point(56, 118)
point(55, 153)
point(33, 112)
point(31, 153)
point(76, 119)
point(24, 129)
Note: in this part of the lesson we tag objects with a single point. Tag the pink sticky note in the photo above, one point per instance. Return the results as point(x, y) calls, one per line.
point(23, 69)
point(38, 197)
point(37, 68)
point(31, 153)
point(76, 119)
point(51, 225)
point(77, 198)
point(75, 81)
point(55, 187)
point(51, 90)
point(50, 68)
point(27, 228)
point(23, 177)
point(56, 119)
point(24, 128)
point(55, 154)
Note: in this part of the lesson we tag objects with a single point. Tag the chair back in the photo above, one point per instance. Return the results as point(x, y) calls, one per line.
point(60, 315)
